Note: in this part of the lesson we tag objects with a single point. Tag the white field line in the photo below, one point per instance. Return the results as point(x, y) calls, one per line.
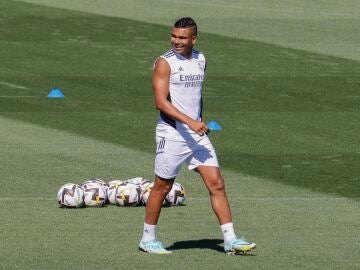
point(15, 86)
point(12, 85)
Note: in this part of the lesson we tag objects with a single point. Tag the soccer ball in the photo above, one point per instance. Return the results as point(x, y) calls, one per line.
point(176, 196)
point(115, 182)
point(95, 194)
point(71, 196)
point(100, 182)
point(146, 194)
point(144, 184)
point(136, 181)
point(97, 180)
point(127, 194)
point(94, 180)
point(139, 181)
point(111, 192)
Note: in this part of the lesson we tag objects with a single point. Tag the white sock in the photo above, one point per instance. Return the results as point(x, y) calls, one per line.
point(148, 232)
point(228, 231)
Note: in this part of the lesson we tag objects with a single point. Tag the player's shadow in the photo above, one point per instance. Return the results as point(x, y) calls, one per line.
point(201, 244)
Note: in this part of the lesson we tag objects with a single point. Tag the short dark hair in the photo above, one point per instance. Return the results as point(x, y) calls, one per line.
point(186, 22)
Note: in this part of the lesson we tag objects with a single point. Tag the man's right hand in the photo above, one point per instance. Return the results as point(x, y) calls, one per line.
point(198, 126)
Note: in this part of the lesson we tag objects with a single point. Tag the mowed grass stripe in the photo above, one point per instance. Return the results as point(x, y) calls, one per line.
point(326, 27)
point(62, 156)
point(290, 232)
point(290, 108)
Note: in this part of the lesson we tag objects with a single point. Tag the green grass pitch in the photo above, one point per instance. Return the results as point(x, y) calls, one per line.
point(290, 147)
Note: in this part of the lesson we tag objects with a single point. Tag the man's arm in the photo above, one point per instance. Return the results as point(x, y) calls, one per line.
point(161, 80)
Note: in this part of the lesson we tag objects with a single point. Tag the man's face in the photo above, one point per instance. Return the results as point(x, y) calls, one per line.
point(183, 40)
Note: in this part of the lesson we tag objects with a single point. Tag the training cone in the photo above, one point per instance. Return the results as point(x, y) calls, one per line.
point(55, 93)
point(214, 126)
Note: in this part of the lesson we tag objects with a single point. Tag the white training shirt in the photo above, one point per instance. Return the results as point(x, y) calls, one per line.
point(185, 93)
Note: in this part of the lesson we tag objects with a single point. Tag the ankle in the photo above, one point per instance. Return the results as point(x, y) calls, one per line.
point(148, 232)
point(228, 231)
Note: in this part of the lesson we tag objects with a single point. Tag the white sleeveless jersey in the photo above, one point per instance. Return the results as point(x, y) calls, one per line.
point(185, 93)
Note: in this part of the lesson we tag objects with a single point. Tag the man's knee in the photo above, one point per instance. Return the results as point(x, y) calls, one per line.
point(162, 186)
point(217, 186)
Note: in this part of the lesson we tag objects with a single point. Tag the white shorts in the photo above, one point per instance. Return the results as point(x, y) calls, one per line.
point(171, 154)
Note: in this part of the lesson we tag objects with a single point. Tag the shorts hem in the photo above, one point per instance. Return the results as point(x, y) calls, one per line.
point(193, 167)
point(165, 177)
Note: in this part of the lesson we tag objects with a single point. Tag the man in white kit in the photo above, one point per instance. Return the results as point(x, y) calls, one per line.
point(181, 136)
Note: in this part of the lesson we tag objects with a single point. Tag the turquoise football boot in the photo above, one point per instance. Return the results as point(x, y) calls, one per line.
point(154, 247)
point(239, 246)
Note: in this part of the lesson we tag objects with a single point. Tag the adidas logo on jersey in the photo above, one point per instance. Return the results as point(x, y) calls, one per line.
point(181, 69)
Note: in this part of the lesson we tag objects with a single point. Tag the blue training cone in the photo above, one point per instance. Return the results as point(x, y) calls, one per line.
point(55, 93)
point(214, 126)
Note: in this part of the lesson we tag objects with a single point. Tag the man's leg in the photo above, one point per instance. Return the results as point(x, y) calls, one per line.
point(158, 193)
point(215, 184)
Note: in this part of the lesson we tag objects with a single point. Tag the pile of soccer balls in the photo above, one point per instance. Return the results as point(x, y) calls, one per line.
point(97, 193)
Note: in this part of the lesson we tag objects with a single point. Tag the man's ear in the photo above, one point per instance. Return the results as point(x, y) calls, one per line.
point(193, 40)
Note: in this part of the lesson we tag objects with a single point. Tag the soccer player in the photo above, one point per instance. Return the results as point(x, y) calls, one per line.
point(181, 136)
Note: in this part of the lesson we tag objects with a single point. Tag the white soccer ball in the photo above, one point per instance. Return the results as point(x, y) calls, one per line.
point(71, 196)
point(94, 180)
point(115, 182)
point(144, 184)
point(139, 181)
point(146, 193)
point(135, 180)
point(97, 180)
point(176, 196)
point(111, 192)
point(95, 195)
point(127, 194)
